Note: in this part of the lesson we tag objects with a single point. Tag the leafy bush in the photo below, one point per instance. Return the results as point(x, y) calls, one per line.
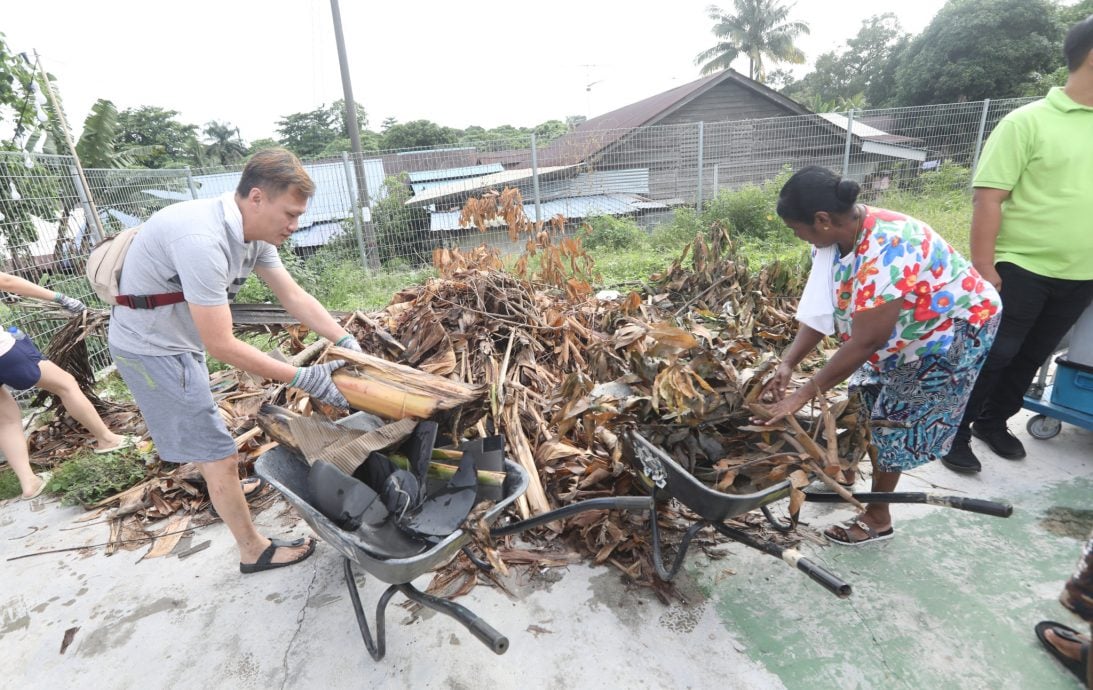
point(88, 478)
point(610, 232)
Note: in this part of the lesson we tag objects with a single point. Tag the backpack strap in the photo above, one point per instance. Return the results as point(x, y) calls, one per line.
point(150, 301)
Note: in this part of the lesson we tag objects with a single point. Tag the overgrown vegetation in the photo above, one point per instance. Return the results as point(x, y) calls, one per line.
point(87, 478)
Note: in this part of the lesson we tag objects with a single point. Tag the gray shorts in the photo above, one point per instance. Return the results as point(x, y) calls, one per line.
point(172, 392)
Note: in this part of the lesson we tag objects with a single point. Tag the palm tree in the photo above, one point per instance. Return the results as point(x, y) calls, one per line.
point(97, 147)
point(226, 146)
point(758, 29)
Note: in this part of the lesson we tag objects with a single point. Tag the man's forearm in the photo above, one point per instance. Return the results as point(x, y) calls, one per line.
point(25, 288)
point(986, 222)
point(313, 315)
point(252, 360)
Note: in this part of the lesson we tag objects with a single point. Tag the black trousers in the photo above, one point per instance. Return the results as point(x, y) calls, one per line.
point(1037, 311)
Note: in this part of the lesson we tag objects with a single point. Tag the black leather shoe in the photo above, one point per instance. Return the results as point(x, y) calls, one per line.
point(960, 458)
point(1003, 443)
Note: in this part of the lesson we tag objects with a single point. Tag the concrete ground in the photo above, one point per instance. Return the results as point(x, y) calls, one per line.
point(949, 602)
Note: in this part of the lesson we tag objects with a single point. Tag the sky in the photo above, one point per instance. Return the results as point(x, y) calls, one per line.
point(457, 63)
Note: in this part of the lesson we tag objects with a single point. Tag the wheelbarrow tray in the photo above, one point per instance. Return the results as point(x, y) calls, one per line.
point(710, 504)
point(386, 552)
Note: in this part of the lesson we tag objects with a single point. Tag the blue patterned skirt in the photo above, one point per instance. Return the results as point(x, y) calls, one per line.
point(924, 400)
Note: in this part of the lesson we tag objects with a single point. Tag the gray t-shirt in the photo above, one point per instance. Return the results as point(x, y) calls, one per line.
point(196, 247)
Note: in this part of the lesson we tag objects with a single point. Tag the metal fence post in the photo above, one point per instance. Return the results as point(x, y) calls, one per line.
point(88, 210)
point(716, 170)
point(190, 181)
point(535, 179)
point(357, 230)
point(849, 138)
point(979, 140)
point(701, 146)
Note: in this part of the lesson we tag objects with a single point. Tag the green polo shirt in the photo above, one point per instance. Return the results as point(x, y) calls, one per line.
point(1042, 153)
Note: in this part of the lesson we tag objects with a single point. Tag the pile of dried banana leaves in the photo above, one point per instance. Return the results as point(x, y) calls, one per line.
point(561, 370)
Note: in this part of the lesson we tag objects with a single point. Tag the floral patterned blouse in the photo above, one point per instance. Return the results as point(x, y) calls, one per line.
point(899, 257)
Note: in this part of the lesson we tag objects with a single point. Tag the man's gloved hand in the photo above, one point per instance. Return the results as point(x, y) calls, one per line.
point(70, 304)
point(349, 343)
point(316, 381)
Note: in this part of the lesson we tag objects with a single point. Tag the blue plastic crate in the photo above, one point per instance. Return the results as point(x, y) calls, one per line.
point(1073, 386)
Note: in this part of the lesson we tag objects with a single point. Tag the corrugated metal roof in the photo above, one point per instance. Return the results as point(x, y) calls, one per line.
point(629, 181)
point(317, 235)
point(597, 134)
point(867, 132)
point(471, 184)
point(333, 199)
point(570, 207)
point(450, 173)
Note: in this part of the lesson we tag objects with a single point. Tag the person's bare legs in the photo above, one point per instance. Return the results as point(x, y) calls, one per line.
point(59, 382)
point(14, 444)
point(876, 515)
point(222, 479)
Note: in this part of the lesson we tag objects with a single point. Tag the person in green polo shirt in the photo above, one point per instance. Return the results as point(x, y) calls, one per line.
point(1032, 238)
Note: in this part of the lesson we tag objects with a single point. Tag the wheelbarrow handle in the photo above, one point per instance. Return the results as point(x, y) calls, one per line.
point(974, 505)
point(634, 504)
point(827, 579)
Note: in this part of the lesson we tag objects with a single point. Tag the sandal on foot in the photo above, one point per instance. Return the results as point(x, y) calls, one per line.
point(45, 477)
point(265, 561)
point(261, 484)
point(872, 535)
point(1076, 667)
point(125, 442)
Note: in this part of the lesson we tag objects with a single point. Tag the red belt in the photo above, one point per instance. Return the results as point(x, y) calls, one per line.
point(150, 301)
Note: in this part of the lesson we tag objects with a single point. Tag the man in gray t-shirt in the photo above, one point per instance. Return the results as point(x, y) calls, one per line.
point(194, 257)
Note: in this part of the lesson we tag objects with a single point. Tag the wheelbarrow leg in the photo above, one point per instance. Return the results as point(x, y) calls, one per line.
point(379, 647)
point(478, 627)
point(830, 581)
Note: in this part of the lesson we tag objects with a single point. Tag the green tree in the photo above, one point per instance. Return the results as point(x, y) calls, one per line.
point(843, 76)
point(317, 132)
point(402, 232)
point(172, 143)
point(757, 29)
point(98, 143)
point(262, 144)
point(976, 49)
point(418, 133)
point(224, 145)
point(548, 131)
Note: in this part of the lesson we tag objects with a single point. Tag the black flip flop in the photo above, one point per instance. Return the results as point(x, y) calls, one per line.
point(250, 496)
point(265, 561)
point(1078, 668)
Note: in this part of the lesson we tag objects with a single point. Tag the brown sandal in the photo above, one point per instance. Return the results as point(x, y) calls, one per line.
point(872, 535)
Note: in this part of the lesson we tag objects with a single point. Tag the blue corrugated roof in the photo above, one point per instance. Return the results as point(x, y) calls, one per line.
point(333, 199)
point(450, 173)
point(570, 207)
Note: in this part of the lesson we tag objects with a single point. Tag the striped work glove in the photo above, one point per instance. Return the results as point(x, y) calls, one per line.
point(316, 381)
point(349, 343)
point(70, 304)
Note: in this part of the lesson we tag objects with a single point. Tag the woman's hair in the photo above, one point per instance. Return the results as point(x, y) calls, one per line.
point(814, 189)
point(1078, 43)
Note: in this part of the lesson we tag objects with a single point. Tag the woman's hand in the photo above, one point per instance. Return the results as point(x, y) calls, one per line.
point(775, 389)
point(787, 405)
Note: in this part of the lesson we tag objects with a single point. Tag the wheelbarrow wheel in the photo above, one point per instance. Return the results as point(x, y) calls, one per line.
point(1044, 427)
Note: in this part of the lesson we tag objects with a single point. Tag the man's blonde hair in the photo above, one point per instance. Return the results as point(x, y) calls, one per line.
point(275, 171)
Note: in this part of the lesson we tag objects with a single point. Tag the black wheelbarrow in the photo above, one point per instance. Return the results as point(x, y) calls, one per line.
point(665, 477)
point(395, 557)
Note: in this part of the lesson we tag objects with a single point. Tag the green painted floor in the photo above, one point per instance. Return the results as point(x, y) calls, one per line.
point(950, 602)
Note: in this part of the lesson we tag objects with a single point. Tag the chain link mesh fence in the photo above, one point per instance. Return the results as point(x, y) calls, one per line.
point(415, 196)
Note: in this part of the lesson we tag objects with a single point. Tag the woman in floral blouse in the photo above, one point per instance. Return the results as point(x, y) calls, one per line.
point(914, 319)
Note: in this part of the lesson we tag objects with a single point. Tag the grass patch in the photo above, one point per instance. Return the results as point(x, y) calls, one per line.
point(113, 388)
point(87, 478)
point(9, 484)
